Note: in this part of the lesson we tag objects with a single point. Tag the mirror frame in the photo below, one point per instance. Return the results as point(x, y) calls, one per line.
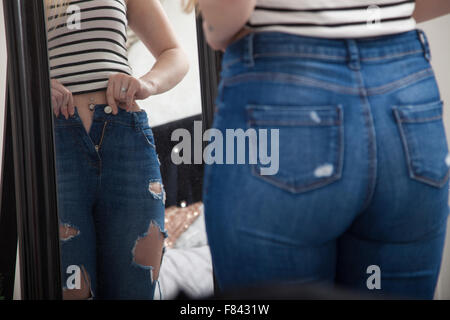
point(30, 135)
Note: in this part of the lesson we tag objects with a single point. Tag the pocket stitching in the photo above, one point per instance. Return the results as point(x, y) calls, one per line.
point(339, 161)
point(412, 174)
point(147, 139)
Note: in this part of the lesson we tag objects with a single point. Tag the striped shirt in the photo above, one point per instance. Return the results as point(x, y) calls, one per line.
point(87, 44)
point(334, 18)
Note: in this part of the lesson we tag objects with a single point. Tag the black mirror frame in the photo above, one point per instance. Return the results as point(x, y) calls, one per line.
point(29, 148)
point(29, 106)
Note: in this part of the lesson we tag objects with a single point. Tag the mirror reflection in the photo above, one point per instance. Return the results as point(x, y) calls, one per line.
point(124, 76)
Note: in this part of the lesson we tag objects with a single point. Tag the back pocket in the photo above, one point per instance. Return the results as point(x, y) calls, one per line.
point(310, 145)
point(424, 141)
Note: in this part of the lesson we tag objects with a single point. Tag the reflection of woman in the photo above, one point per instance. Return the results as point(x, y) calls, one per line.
point(111, 198)
point(360, 196)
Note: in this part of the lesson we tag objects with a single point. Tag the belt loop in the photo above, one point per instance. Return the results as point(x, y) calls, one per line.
point(248, 51)
point(353, 54)
point(136, 123)
point(425, 45)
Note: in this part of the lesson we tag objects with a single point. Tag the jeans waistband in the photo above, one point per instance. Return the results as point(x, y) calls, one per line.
point(101, 112)
point(264, 44)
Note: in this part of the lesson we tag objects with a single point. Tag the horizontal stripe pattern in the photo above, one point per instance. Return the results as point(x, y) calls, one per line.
point(83, 59)
point(332, 18)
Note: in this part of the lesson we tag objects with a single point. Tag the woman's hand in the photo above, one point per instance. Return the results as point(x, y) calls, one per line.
point(152, 26)
point(62, 99)
point(123, 90)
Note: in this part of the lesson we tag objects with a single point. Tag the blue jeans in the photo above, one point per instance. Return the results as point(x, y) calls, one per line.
point(360, 198)
point(106, 202)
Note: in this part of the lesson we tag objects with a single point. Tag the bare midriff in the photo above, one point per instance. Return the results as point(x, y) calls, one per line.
point(84, 100)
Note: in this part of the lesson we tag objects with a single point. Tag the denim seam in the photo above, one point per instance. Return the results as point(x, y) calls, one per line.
point(371, 145)
point(409, 80)
point(111, 120)
point(147, 139)
point(361, 237)
point(288, 78)
point(102, 137)
point(294, 123)
point(66, 125)
point(320, 56)
point(300, 55)
point(430, 119)
point(391, 56)
point(294, 79)
point(411, 171)
point(231, 62)
point(82, 148)
point(311, 186)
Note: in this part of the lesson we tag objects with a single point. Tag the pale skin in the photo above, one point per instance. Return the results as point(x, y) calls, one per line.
point(224, 20)
point(151, 25)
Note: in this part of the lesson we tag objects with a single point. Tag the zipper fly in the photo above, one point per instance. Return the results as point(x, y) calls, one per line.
point(97, 147)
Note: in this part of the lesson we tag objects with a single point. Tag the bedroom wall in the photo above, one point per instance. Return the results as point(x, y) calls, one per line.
point(185, 99)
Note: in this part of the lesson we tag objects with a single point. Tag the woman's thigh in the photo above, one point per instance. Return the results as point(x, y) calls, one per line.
point(76, 169)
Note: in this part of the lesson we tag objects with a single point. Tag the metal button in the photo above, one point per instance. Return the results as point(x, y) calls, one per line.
point(108, 109)
point(92, 107)
point(96, 148)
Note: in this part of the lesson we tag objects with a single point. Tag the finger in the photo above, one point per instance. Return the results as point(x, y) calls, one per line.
point(71, 104)
point(55, 106)
point(110, 96)
point(64, 110)
point(58, 92)
point(58, 86)
point(131, 93)
point(58, 98)
point(117, 89)
point(125, 84)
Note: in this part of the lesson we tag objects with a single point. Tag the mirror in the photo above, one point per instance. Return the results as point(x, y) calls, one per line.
point(130, 215)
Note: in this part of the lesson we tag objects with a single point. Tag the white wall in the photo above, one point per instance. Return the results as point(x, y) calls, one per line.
point(185, 99)
point(437, 31)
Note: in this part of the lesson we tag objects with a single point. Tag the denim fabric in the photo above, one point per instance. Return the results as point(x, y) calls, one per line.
point(104, 193)
point(369, 111)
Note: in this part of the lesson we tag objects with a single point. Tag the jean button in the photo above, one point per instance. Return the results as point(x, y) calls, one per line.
point(108, 109)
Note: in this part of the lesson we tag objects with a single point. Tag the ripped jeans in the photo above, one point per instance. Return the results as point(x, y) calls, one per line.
point(360, 198)
point(110, 203)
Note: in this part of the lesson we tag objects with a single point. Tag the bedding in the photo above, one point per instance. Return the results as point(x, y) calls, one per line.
point(187, 264)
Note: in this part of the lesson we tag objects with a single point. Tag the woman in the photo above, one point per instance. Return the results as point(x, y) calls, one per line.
point(350, 105)
point(110, 193)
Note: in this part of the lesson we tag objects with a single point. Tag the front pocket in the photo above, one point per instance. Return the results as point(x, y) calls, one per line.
point(424, 141)
point(148, 136)
point(310, 145)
